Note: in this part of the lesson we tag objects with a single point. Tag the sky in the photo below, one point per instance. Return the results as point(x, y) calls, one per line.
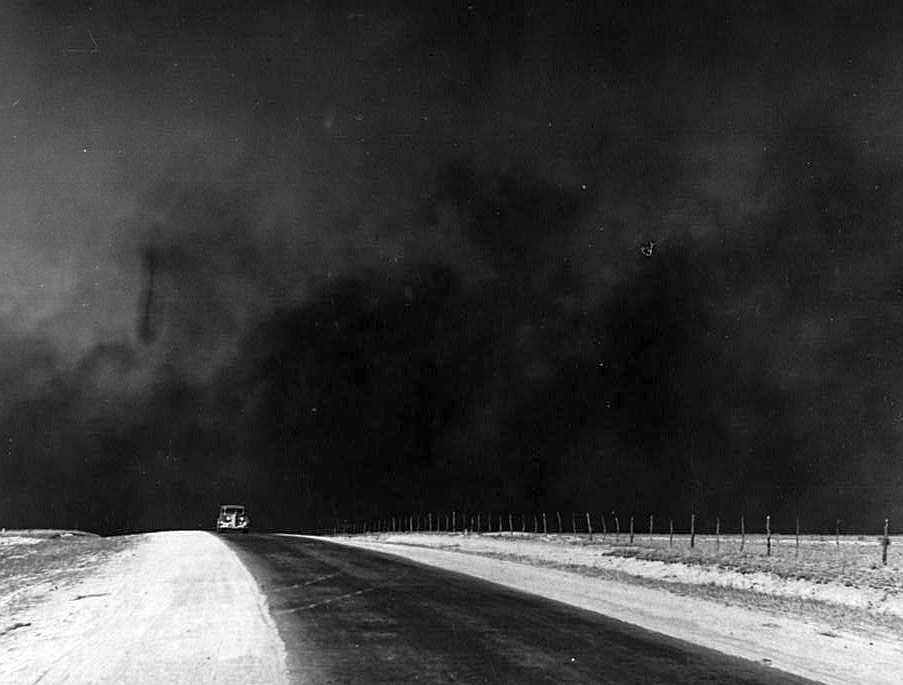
point(339, 260)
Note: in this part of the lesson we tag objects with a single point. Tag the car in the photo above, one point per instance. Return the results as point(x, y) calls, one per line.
point(232, 517)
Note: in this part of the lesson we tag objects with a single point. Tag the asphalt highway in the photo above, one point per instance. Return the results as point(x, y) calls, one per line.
point(350, 616)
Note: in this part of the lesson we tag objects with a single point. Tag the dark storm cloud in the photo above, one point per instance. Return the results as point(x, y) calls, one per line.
point(521, 255)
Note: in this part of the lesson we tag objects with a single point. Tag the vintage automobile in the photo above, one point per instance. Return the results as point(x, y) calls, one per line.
point(232, 517)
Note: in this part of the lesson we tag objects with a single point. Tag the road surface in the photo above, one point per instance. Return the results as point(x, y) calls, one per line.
point(350, 616)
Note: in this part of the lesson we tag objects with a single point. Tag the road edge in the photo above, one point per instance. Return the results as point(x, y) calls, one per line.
point(799, 647)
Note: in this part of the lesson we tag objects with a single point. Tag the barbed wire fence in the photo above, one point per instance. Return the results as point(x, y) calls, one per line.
point(745, 536)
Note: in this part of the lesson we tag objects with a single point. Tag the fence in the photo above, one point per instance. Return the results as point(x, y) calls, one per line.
point(597, 527)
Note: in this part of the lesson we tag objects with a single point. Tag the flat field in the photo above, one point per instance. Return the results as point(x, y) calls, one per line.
point(852, 560)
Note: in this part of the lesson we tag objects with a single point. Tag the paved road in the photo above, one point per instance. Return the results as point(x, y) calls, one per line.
point(350, 616)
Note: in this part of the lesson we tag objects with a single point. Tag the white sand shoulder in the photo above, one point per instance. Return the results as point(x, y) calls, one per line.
point(176, 607)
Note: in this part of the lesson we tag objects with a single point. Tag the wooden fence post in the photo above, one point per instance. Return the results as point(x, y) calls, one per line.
point(885, 542)
point(510, 524)
point(692, 530)
point(651, 520)
point(631, 530)
point(617, 528)
point(573, 523)
point(604, 528)
point(589, 526)
point(545, 524)
point(535, 524)
point(558, 516)
point(742, 533)
point(768, 535)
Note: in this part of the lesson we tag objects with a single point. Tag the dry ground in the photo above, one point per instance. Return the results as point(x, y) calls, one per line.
point(36, 563)
point(174, 607)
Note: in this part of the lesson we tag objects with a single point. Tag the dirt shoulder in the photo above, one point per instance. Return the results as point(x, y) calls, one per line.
point(759, 625)
point(175, 607)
